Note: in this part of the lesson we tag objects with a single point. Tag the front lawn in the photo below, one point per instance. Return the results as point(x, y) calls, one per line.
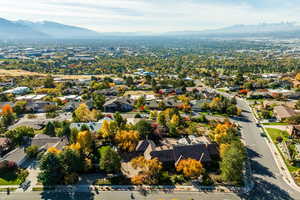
point(274, 133)
point(13, 177)
point(294, 170)
point(275, 124)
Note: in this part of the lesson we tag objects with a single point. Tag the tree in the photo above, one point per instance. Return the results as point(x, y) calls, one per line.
point(83, 114)
point(105, 130)
point(190, 168)
point(19, 135)
point(32, 151)
point(232, 162)
point(127, 140)
point(149, 170)
point(71, 161)
point(153, 115)
point(49, 82)
point(98, 101)
point(129, 81)
point(161, 120)
point(141, 101)
point(110, 161)
point(297, 77)
point(232, 110)
point(53, 150)
point(8, 116)
point(144, 128)
point(85, 140)
point(175, 120)
point(51, 169)
point(121, 122)
point(224, 133)
point(50, 129)
point(298, 104)
point(20, 107)
point(223, 148)
point(66, 131)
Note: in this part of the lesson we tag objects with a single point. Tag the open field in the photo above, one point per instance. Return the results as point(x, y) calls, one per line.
point(15, 73)
point(4, 72)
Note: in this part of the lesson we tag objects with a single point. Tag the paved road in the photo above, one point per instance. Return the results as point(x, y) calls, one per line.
point(269, 183)
point(117, 195)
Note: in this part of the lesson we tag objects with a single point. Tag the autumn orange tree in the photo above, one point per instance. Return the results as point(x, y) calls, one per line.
point(127, 140)
point(190, 168)
point(149, 170)
point(8, 116)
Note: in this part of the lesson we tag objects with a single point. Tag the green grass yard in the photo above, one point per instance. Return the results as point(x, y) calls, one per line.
point(274, 133)
point(276, 124)
point(10, 178)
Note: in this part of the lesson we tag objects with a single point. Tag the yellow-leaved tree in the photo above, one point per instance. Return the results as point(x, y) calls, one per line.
point(221, 131)
point(108, 129)
point(127, 140)
point(175, 120)
point(149, 170)
point(223, 149)
point(190, 168)
point(297, 77)
point(85, 140)
point(84, 114)
point(53, 150)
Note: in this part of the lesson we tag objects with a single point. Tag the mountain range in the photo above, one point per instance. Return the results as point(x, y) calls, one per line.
point(42, 30)
point(22, 30)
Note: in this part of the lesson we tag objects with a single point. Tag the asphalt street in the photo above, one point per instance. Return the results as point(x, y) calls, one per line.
point(269, 183)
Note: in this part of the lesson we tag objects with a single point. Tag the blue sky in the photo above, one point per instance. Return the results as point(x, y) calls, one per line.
point(152, 15)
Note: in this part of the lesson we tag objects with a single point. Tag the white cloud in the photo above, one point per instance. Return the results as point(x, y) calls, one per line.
point(143, 15)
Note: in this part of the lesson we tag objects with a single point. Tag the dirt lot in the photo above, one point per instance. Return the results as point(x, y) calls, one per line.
point(15, 73)
point(4, 72)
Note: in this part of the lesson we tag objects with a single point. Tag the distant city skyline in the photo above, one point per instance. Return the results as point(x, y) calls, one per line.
point(152, 15)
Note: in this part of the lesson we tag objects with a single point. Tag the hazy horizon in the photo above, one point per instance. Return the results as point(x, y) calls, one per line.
point(152, 15)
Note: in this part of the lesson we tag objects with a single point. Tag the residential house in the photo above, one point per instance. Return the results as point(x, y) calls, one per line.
point(108, 92)
point(205, 153)
point(171, 152)
point(283, 112)
point(44, 142)
point(172, 103)
point(292, 95)
point(17, 91)
point(92, 126)
point(5, 145)
point(294, 131)
point(258, 95)
point(39, 106)
point(120, 104)
point(17, 156)
point(71, 106)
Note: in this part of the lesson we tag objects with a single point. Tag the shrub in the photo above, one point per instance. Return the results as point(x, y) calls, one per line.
point(22, 175)
point(6, 166)
point(279, 139)
point(32, 151)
